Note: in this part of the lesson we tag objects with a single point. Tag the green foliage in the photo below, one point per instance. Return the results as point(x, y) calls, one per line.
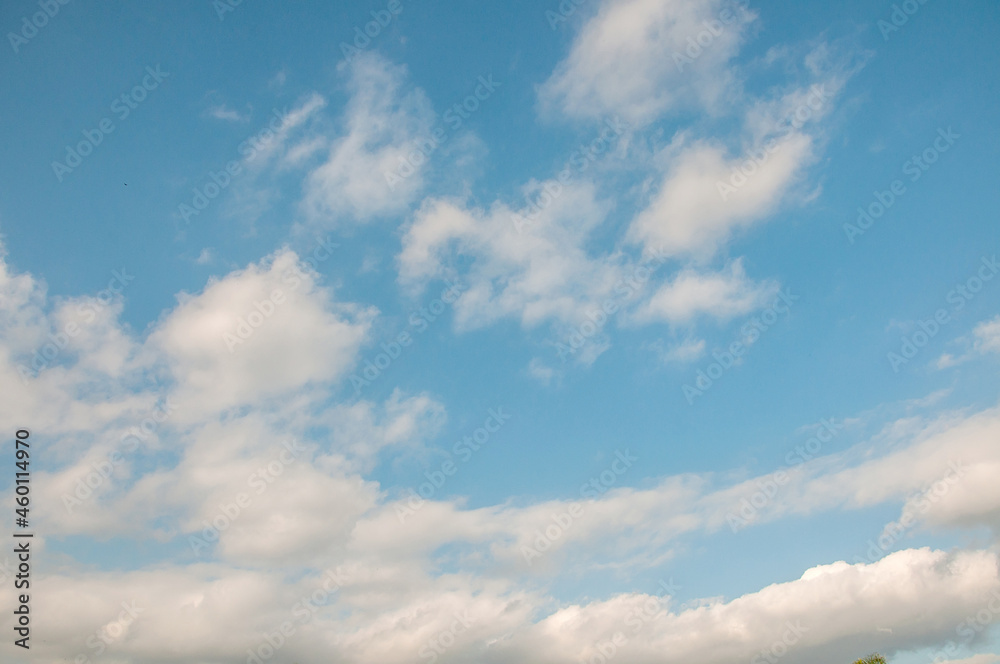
point(872, 659)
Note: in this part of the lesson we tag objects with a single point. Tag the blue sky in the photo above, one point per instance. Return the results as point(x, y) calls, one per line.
point(613, 205)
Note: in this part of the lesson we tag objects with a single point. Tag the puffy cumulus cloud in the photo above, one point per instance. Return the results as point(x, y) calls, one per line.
point(641, 58)
point(705, 197)
point(536, 265)
point(382, 122)
point(452, 618)
point(67, 365)
point(275, 510)
point(22, 314)
point(366, 611)
point(544, 272)
point(722, 295)
point(355, 611)
point(202, 612)
point(257, 333)
point(713, 187)
point(828, 616)
point(145, 435)
point(218, 456)
point(390, 599)
point(252, 489)
point(102, 347)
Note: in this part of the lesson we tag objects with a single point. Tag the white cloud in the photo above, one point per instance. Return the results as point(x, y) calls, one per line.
point(256, 334)
point(832, 614)
point(538, 265)
point(316, 340)
point(302, 151)
point(710, 188)
point(692, 213)
point(633, 59)
point(947, 360)
point(543, 273)
point(540, 371)
point(383, 119)
point(275, 143)
point(985, 339)
point(271, 141)
point(365, 429)
point(372, 611)
point(723, 296)
point(911, 463)
point(686, 351)
point(223, 112)
point(407, 581)
point(395, 598)
point(987, 336)
point(67, 364)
